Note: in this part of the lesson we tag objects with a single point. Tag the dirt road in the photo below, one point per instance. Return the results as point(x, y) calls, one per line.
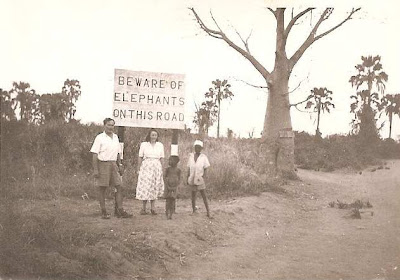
point(289, 235)
point(298, 236)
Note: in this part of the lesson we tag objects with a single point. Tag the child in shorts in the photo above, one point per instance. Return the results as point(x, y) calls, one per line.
point(197, 167)
point(172, 179)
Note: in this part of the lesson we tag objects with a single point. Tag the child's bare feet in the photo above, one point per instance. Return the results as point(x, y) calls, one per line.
point(209, 216)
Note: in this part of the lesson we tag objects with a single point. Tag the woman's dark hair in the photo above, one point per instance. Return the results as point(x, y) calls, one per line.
point(106, 120)
point(148, 135)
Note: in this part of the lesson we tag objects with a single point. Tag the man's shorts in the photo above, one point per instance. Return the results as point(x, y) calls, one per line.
point(108, 174)
point(198, 187)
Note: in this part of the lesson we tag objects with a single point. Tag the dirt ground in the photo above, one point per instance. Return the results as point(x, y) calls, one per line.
point(291, 235)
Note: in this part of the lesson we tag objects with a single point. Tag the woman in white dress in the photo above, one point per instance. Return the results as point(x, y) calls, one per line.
point(150, 184)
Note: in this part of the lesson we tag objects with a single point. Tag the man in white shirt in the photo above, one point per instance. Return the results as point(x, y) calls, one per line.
point(108, 168)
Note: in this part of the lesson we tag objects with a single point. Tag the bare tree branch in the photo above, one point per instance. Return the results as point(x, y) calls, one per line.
point(338, 25)
point(307, 43)
point(295, 106)
point(298, 103)
point(212, 16)
point(312, 37)
point(294, 19)
point(219, 34)
point(249, 84)
point(272, 11)
point(293, 90)
point(245, 42)
point(212, 33)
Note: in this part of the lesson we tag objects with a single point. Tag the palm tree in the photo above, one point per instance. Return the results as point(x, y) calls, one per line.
point(205, 116)
point(370, 83)
point(320, 100)
point(391, 103)
point(71, 90)
point(6, 103)
point(26, 100)
point(220, 91)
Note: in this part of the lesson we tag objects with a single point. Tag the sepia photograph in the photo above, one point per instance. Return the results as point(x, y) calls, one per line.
point(213, 139)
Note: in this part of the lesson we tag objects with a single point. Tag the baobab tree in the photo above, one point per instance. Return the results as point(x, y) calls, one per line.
point(320, 101)
point(277, 131)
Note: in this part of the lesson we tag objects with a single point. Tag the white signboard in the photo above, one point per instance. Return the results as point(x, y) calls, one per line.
point(147, 99)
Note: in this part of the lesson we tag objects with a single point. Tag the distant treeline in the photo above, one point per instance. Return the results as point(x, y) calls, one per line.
point(23, 103)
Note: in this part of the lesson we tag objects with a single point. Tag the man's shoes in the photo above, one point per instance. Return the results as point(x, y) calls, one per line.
point(121, 213)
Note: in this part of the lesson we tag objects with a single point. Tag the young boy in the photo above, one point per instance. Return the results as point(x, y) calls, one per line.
point(197, 166)
point(172, 180)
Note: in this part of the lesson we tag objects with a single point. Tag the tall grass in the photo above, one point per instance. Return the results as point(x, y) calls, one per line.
point(53, 160)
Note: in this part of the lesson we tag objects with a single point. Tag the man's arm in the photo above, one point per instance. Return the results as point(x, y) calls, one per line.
point(95, 163)
point(187, 176)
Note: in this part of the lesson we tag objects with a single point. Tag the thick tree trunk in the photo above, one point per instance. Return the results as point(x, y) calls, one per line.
point(278, 136)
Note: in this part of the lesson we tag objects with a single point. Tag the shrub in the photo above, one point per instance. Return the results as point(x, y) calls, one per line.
point(339, 151)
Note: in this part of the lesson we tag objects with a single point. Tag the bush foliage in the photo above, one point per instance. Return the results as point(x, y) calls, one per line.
point(339, 151)
point(53, 159)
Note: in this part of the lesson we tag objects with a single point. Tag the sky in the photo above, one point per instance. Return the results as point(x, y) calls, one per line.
point(45, 42)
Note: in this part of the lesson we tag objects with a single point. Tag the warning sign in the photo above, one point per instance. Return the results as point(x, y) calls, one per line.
point(147, 99)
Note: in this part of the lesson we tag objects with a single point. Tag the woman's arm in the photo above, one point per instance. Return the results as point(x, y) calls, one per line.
point(139, 164)
point(162, 155)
